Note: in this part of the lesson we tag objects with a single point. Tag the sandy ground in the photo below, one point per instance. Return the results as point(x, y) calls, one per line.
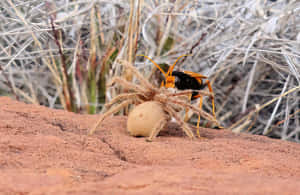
point(44, 151)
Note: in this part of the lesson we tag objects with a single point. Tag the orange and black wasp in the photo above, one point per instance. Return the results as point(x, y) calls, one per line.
point(186, 80)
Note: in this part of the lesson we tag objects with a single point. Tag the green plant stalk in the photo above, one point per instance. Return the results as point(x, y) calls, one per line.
point(112, 54)
point(92, 79)
point(168, 45)
point(102, 84)
point(92, 93)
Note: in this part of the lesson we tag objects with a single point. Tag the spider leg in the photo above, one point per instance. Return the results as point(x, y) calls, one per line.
point(124, 83)
point(184, 125)
point(204, 114)
point(188, 92)
point(109, 112)
point(140, 77)
point(158, 127)
point(122, 97)
point(200, 95)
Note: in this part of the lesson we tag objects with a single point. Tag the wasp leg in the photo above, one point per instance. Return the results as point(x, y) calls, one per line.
point(186, 115)
point(212, 102)
point(198, 122)
point(212, 97)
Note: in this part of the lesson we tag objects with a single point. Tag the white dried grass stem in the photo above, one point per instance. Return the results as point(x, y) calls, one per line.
point(276, 106)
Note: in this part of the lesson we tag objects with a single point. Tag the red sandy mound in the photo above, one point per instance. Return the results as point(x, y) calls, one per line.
point(44, 151)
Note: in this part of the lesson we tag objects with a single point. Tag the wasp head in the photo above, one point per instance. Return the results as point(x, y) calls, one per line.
point(170, 82)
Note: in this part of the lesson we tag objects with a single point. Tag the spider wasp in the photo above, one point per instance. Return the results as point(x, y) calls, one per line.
point(184, 80)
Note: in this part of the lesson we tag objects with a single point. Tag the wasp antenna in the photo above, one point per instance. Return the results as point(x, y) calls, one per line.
point(161, 70)
point(172, 67)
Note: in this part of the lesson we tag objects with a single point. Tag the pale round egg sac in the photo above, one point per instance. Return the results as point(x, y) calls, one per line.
point(146, 118)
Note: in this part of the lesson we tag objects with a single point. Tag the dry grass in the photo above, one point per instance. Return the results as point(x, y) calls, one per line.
point(249, 49)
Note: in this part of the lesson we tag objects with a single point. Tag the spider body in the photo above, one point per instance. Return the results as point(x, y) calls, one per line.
point(136, 94)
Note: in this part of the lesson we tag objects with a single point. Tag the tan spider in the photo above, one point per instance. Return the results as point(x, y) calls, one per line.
point(171, 103)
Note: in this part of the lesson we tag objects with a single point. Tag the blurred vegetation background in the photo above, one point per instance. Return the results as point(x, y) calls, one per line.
point(61, 54)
